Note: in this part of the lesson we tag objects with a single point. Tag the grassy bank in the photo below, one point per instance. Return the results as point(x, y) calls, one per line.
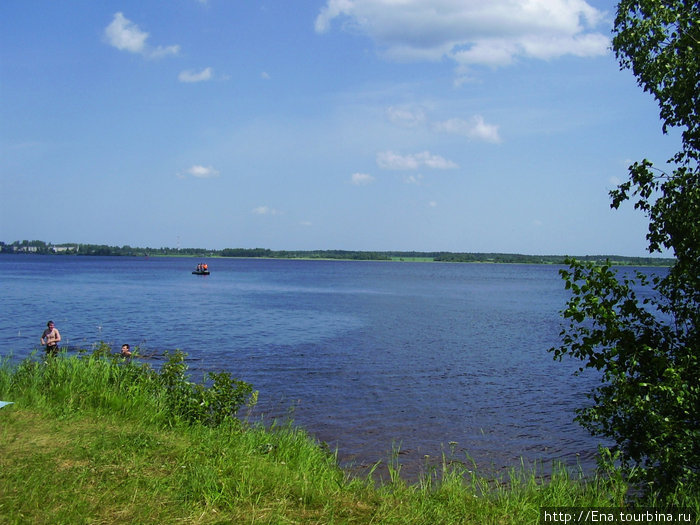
point(95, 439)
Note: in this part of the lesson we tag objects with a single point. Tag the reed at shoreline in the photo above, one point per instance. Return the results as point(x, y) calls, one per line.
point(96, 438)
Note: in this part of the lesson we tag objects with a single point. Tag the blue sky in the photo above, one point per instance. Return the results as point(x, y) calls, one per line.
point(455, 125)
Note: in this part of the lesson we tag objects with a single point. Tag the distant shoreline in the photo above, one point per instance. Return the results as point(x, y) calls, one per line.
point(43, 248)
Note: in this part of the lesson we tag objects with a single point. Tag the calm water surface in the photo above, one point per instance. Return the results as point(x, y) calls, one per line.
point(365, 355)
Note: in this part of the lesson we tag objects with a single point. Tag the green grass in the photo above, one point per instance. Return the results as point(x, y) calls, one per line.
point(93, 439)
point(413, 259)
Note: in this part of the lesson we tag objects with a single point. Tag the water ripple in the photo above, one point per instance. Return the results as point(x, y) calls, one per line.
point(364, 355)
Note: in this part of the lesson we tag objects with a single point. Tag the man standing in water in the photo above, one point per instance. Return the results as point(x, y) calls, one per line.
point(50, 339)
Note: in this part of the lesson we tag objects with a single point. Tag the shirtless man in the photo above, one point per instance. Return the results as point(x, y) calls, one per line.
point(50, 338)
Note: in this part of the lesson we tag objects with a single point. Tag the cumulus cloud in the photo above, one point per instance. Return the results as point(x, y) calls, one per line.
point(492, 33)
point(413, 179)
point(476, 128)
point(407, 117)
point(361, 179)
point(163, 51)
point(390, 160)
point(194, 76)
point(123, 34)
point(265, 210)
point(203, 172)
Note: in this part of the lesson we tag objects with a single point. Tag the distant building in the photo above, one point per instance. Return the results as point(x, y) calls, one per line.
point(64, 249)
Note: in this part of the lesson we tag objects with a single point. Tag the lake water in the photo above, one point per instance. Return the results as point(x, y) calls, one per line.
point(367, 356)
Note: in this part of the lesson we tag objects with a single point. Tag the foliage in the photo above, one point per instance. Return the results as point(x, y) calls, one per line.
point(246, 252)
point(647, 345)
point(106, 381)
point(39, 247)
point(196, 402)
point(647, 401)
point(514, 258)
point(85, 425)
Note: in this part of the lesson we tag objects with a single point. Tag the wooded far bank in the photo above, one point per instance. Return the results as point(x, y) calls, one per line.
point(44, 248)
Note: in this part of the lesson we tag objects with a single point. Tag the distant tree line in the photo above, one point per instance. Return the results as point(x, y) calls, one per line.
point(44, 248)
point(333, 254)
point(550, 259)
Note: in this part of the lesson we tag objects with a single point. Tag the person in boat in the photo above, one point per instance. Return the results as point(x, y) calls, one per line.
point(126, 350)
point(50, 339)
point(205, 267)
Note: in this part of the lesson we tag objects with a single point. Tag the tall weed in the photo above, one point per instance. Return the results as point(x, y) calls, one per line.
point(109, 383)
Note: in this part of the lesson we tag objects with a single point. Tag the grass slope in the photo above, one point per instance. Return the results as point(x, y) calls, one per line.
point(94, 439)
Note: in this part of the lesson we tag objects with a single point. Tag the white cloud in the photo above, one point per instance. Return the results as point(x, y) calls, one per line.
point(493, 32)
point(123, 34)
point(413, 179)
point(265, 75)
point(476, 128)
point(435, 161)
point(406, 117)
point(202, 172)
point(390, 160)
point(332, 9)
point(265, 210)
point(162, 51)
point(432, 204)
point(361, 179)
point(193, 76)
